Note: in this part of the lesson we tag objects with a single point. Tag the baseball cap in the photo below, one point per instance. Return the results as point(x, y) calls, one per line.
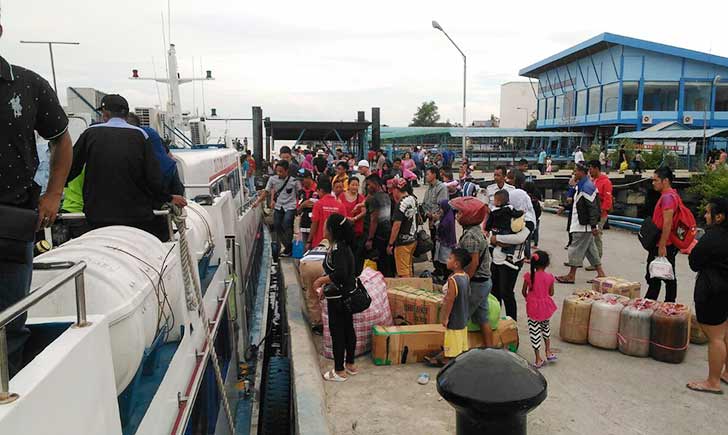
point(114, 103)
point(320, 152)
point(363, 163)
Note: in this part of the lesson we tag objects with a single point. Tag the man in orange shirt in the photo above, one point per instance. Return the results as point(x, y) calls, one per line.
point(327, 205)
point(604, 190)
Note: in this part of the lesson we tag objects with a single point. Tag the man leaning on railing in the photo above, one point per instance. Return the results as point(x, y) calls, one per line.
point(27, 104)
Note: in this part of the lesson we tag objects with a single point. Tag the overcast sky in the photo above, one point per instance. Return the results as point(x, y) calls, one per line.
point(324, 60)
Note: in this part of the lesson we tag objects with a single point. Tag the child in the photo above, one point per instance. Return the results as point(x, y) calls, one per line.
point(549, 168)
point(538, 289)
point(501, 218)
point(454, 311)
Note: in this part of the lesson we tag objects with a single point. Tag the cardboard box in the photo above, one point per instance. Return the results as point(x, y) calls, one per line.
point(505, 336)
point(418, 283)
point(413, 306)
point(618, 286)
point(394, 345)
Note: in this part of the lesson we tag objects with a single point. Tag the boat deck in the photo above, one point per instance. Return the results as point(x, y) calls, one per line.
point(590, 390)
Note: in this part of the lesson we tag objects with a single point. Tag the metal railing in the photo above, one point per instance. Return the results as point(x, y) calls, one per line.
point(75, 272)
point(78, 216)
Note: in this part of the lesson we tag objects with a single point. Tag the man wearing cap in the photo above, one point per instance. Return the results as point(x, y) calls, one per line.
point(28, 105)
point(320, 163)
point(123, 181)
point(362, 172)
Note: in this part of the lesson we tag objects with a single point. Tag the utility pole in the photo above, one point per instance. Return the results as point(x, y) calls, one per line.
point(50, 49)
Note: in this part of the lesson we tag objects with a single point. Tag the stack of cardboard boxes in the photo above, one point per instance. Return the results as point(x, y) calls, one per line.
point(617, 286)
point(415, 306)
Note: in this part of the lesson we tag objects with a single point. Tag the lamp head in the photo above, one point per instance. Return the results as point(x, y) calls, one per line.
point(436, 25)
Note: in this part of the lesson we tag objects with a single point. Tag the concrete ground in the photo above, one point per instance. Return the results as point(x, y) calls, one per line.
point(590, 391)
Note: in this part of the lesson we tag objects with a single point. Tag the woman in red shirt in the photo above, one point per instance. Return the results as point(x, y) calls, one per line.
point(351, 198)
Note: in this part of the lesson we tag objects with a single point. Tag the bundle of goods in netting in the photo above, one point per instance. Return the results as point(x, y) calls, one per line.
point(472, 210)
point(604, 320)
point(670, 332)
point(575, 316)
point(635, 326)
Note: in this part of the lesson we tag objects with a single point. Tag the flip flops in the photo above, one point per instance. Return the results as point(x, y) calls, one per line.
point(539, 365)
point(563, 280)
point(551, 357)
point(435, 361)
point(700, 389)
point(351, 372)
point(333, 377)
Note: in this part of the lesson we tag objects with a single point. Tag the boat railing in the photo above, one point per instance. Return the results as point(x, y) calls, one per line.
point(73, 271)
point(79, 216)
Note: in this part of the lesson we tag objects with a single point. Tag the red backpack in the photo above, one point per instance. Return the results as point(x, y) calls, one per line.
point(684, 226)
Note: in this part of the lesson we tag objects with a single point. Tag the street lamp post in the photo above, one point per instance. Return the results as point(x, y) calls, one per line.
point(437, 26)
point(50, 49)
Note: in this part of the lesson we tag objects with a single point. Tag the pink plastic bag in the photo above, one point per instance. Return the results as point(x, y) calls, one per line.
point(378, 313)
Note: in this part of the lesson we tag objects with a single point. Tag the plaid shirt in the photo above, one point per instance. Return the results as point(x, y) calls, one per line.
point(474, 241)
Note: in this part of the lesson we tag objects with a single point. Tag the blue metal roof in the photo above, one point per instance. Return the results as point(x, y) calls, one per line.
point(605, 40)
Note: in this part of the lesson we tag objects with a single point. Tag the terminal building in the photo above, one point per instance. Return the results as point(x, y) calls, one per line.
point(612, 84)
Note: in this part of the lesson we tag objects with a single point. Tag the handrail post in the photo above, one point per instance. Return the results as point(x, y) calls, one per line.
point(5, 395)
point(80, 301)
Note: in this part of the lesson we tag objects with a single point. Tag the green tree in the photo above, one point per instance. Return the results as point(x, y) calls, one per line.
point(426, 115)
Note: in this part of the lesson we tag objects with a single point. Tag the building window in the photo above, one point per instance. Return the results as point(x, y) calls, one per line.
point(569, 103)
point(594, 101)
point(560, 107)
point(721, 97)
point(697, 96)
point(541, 108)
point(630, 95)
point(581, 103)
point(610, 97)
point(661, 96)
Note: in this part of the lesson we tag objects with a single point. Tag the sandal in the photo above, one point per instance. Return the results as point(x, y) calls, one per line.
point(590, 281)
point(551, 357)
point(332, 376)
point(435, 362)
point(564, 280)
point(539, 365)
point(695, 386)
point(351, 372)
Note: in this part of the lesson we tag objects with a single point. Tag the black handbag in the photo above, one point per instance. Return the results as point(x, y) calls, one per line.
point(649, 234)
point(16, 231)
point(424, 243)
point(357, 300)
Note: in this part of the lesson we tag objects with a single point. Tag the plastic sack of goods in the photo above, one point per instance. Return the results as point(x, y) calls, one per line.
point(472, 210)
point(661, 268)
point(670, 333)
point(604, 320)
point(575, 316)
point(378, 313)
point(635, 327)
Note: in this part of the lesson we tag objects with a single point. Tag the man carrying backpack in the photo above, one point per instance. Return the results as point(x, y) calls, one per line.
point(676, 223)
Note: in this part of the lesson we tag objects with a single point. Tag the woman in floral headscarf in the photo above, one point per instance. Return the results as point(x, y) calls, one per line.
point(402, 239)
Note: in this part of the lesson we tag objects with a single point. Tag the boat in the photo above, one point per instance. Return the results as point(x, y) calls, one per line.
point(131, 335)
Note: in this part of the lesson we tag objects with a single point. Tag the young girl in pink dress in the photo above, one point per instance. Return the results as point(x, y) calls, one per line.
point(538, 289)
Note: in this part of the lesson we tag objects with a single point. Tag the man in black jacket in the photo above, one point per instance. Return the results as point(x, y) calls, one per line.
point(123, 181)
point(584, 226)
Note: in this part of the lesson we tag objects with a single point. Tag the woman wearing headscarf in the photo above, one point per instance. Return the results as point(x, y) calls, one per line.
point(308, 162)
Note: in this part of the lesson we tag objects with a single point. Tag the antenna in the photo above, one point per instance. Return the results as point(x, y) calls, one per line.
point(202, 86)
point(169, 19)
point(194, 100)
point(156, 83)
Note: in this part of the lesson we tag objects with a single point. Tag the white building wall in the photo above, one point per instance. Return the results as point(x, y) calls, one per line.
point(513, 95)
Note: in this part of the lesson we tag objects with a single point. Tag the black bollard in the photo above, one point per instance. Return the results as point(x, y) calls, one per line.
point(492, 391)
